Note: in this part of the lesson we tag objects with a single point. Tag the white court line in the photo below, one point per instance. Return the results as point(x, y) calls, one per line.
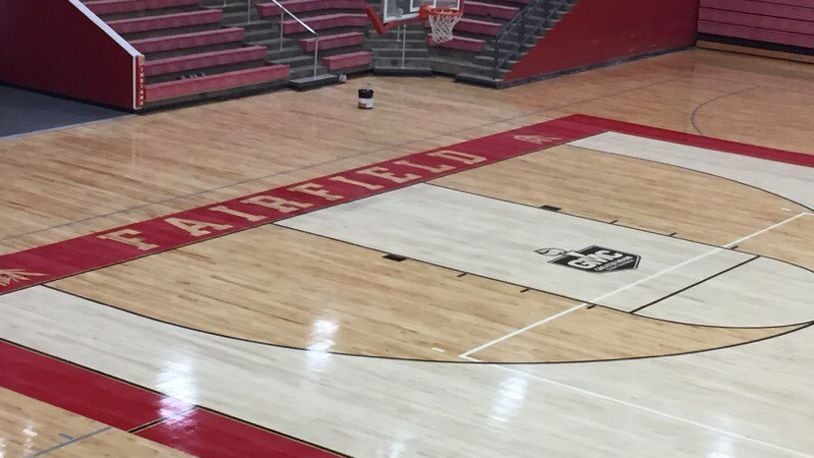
point(627, 287)
point(646, 409)
point(772, 227)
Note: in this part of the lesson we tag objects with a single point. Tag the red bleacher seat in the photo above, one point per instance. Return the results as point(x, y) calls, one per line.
point(787, 22)
point(332, 41)
point(204, 60)
point(479, 27)
point(103, 7)
point(166, 21)
point(302, 6)
point(491, 10)
point(189, 40)
point(222, 81)
point(327, 21)
point(354, 59)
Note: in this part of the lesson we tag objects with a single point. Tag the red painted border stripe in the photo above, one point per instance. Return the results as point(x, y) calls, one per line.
point(206, 434)
point(70, 257)
point(743, 149)
point(87, 393)
point(119, 404)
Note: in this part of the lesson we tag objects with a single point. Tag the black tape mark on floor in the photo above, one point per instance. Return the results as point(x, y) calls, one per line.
point(694, 284)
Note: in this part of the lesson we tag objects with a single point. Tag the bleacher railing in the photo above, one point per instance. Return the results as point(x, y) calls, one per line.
point(283, 12)
point(511, 39)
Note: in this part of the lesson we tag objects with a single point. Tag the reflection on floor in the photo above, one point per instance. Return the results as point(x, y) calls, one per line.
point(23, 111)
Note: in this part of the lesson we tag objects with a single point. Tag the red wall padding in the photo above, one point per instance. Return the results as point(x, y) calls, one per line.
point(601, 31)
point(50, 45)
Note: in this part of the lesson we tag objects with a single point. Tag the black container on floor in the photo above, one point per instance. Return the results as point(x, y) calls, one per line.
point(366, 99)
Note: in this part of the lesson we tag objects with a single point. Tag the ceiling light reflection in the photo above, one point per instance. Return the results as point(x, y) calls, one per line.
point(722, 448)
point(178, 379)
point(322, 337)
point(396, 450)
point(509, 399)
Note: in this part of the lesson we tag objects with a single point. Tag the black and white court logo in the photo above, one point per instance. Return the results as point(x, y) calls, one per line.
point(595, 259)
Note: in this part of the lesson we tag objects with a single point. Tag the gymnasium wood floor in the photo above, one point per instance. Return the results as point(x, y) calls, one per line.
point(467, 342)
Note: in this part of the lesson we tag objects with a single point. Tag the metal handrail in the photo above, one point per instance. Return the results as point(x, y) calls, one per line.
point(293, 16)
point(283, 12)
point(521, 21)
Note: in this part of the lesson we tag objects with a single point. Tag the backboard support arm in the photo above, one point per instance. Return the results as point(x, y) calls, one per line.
point(382, 27)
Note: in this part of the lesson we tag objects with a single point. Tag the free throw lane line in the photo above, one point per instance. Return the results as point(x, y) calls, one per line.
point(627, 287)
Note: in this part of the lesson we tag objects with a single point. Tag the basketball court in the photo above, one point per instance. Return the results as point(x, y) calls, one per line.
point(618, 262)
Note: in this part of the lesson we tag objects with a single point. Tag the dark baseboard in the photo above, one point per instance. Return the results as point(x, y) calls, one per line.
point(757, 44)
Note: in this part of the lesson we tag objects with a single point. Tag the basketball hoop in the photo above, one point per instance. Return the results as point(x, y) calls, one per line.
point(442, 21)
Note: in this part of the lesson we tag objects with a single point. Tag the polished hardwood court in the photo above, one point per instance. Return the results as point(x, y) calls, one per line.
point(49, 430)
point(630, 191)
point(308, 328)
point(140, 167)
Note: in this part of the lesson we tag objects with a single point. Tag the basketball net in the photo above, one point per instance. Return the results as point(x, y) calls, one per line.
point(442, 21)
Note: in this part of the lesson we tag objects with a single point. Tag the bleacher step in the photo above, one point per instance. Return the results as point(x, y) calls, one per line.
point(312, 82)
point(349, 60)
point(326, 42)
point(167, 21)
point(383, 70)
point(478, 80)
point(188, 40)
point(121, 7)
point(326, 22)
point(490, 10)
point(304, 6)
point(204, 60)
point(204, 87)
point(473, 45)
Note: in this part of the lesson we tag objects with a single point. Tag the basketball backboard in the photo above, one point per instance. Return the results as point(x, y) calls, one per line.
point(397, 10)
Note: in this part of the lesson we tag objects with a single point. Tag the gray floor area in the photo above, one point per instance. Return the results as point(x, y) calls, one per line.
point(24, 111)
